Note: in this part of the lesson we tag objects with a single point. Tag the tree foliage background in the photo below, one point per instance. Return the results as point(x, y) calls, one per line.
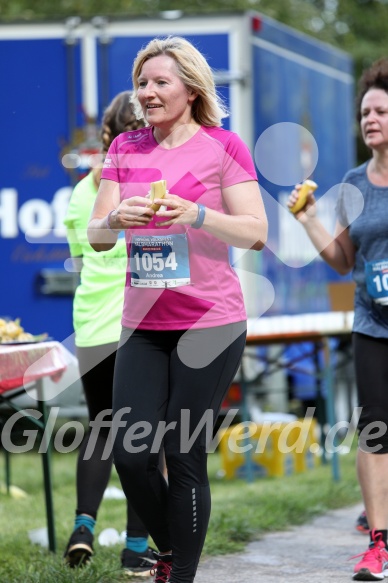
point(359, 27)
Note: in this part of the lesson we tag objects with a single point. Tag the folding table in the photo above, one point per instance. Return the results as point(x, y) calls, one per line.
point(22, 366)
point(315, 328)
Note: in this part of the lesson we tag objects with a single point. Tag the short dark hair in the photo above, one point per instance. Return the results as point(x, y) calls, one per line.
point(375, 77)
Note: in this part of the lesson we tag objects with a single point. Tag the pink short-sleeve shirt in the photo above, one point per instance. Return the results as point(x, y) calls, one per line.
point(212, 159)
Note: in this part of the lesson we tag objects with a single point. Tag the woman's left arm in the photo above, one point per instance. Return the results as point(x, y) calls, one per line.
point(246, 226)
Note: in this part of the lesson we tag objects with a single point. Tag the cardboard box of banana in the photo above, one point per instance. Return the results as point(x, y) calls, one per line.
point(12, 332)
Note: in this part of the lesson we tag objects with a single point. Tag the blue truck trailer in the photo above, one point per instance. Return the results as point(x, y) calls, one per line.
point(57, 80)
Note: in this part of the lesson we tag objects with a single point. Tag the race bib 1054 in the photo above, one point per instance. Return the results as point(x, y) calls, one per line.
point(159, 261)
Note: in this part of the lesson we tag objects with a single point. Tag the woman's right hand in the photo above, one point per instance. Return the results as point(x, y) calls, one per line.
point(308, 211)
point(131, 212)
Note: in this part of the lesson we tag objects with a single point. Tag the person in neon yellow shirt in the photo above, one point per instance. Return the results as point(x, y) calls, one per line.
point(97, 311)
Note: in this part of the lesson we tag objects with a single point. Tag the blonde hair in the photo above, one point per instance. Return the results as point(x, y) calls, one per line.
point(193, 70)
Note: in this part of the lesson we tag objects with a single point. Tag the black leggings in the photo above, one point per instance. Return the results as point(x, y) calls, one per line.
point(163, 378)
point(371, 365)
point(96, 366)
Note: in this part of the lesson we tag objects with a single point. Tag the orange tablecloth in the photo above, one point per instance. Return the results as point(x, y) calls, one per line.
point(21, 364)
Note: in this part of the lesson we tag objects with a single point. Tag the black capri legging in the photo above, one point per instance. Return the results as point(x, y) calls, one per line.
point(96, 366)
point(371, 366)
point(164, 376)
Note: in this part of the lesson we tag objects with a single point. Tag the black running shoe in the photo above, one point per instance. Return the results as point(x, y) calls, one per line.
point(139, 564)
point(362, 523)
point(162, 569)
point(79, 548)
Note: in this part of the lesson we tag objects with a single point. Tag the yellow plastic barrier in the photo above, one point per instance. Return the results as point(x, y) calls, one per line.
point(274, 448)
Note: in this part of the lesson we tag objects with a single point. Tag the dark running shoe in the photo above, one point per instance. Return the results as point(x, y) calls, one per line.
point(138, 564)
point(80, 547)
point(162, 569)
point(362, 523)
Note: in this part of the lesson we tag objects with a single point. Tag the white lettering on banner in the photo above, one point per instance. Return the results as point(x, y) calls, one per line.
point(59, 205)
point(8, 213)
point(36, 217)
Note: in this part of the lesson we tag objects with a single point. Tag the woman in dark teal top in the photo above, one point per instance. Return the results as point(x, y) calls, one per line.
point(360, 246)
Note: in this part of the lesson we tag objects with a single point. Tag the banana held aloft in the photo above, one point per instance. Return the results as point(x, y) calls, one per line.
point(158, 190)
point(306, 187)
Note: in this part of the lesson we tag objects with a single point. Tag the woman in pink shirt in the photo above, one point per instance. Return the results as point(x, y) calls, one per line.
point(184, 321)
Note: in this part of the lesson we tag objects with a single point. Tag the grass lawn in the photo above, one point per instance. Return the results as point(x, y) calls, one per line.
point(240, 512)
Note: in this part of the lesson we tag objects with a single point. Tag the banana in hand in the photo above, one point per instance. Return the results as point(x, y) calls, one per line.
point(158, 190)
point(302, 195)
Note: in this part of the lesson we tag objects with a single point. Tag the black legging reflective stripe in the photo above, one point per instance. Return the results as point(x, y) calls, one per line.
point(151, 380)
